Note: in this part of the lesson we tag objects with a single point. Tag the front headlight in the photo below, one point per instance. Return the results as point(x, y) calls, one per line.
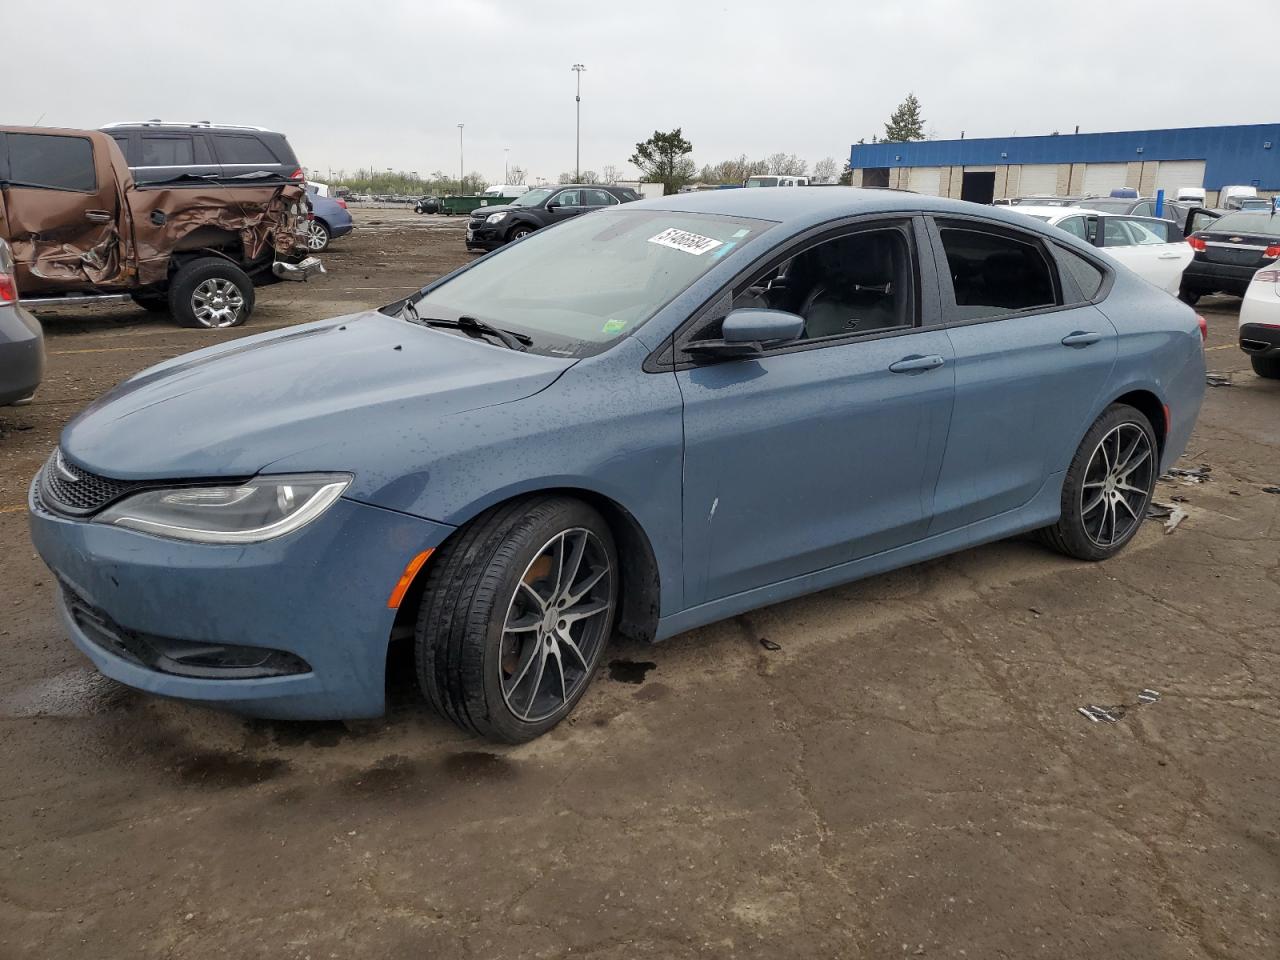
point(259, 509)
point(495, 218)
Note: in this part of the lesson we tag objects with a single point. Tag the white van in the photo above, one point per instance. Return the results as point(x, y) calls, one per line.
point(506, 190)
point(1191, 195)
point(1229, 197)
point(773, 180)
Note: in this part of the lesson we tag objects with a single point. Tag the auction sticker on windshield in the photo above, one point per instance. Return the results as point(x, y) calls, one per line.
point(686, 241)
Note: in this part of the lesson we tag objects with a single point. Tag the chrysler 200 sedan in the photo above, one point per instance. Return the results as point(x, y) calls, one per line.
point(649, 418)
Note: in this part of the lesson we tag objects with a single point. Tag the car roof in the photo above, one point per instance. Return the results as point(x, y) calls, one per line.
point(1055, 211)
point(804, 206)
point(181, 124)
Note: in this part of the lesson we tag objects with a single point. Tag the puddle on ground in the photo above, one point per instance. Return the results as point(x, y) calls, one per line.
point(630, 671)
point(388, 774)
point(223, 770)
point(474, 766)
point(80, 692)
point(651, 692)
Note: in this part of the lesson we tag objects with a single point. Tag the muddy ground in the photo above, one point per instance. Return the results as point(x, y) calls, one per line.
point(904, 774)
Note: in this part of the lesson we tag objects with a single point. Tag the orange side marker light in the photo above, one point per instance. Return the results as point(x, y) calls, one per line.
point(406, 579)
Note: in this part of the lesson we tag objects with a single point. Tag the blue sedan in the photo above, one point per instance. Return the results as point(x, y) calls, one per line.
point(649, 418)
point(330, 220)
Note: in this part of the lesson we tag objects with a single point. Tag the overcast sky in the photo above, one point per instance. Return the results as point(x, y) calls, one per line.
point(386, 83)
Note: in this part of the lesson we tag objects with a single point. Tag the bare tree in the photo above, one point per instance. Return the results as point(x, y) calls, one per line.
point(565, 178)
point(787, 164)
point(590, 176)
point(516, 174)
point(824, 171)
point(610, 174)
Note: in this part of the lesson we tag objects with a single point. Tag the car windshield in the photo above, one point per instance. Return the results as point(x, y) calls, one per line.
point(762, 182)
point(1258, 222)
point(532, 198)
point(575, 288)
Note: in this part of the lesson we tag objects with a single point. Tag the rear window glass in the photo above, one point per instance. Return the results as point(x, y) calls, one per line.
point(1087, 277)
point(51, 161)
point(242, 150)
point(993, 274)
point(166, 152)
point(1247, 221)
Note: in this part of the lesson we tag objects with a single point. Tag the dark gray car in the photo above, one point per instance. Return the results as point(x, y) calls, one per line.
point(21, 340)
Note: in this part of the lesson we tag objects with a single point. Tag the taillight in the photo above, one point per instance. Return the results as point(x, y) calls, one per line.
point(297, 175)
point(1196, 243)
point(342, 204)
point(1271, 252)
point(1204, 327)
point(8, 286)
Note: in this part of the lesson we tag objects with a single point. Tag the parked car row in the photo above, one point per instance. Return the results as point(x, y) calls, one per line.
point(491, 227)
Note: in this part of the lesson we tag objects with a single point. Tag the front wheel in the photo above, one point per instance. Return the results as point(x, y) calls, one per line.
point(1268, 367)
point(516, 612)
point(519, 232)
point(1107, 487)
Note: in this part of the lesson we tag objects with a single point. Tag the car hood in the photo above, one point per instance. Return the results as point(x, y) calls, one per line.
point(499, 208)
point(233, 409)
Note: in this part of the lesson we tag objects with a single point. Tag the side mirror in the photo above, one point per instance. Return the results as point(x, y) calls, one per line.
point(553, 204)
point(747, 331)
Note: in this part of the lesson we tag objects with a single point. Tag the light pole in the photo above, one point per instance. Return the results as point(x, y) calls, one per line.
point(577, 101)
point(461, 176)
point(506, 164)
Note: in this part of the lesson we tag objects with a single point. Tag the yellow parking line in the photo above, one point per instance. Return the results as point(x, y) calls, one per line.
point(1225, 346)
point(63, 353)
point(14, 509)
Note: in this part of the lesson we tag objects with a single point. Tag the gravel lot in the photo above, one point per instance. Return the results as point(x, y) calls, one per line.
point(905, 775)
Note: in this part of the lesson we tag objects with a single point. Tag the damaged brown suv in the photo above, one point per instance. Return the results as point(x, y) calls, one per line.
point(81, 230)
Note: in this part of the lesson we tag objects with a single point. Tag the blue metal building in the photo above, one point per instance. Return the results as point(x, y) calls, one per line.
point(1208, 157)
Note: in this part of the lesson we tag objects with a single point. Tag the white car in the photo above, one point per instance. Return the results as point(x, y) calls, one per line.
point(1152, 248)
point(1260, 323)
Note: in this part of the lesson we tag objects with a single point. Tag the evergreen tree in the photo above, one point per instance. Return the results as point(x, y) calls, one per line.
point(905, 123)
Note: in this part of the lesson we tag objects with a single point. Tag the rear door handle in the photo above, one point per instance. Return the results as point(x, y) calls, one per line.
point(917, 364)
point(1080, 339)
point(98, 216)
point(1169, 256)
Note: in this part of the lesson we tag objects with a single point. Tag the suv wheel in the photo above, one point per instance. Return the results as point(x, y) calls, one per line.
point(519, 232)
point(1108, 486)
point(1268, 367)
point(317, 236)
point(211, 293)
point(516, 612)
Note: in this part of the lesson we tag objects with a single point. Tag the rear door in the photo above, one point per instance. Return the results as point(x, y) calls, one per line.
point(1031, 357)
point(1144, 246)
point(62, 210)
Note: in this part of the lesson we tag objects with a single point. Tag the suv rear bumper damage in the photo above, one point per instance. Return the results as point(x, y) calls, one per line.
point(304, 269)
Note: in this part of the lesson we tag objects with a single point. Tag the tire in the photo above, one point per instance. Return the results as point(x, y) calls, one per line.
point(1092, 479)
point(317, 236)
point(152, 302)
point(1189, 297)
point(227, 289)
point(1268, 367)
point(479, 625)
point(519, 232)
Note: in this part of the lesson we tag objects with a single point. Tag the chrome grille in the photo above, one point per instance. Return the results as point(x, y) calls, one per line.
point(66, 488)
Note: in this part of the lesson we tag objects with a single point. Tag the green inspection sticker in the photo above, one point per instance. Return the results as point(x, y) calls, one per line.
point(613, 326)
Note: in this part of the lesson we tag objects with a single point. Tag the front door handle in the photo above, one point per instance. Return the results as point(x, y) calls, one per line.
point(917, 364)
point(1080, 339)
point(98, 216)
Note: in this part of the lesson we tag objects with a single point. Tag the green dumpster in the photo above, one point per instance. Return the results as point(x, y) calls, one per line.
point(460, 206)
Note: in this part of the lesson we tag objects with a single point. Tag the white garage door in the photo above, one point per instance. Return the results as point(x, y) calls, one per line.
point(1172, 174)
point(1038, 180)
point(1101, 178)
point(924, 180)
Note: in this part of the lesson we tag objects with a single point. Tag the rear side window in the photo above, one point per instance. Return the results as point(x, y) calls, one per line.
point(1088, 278)
point(993, 274)
point(166, 152)
point(52, 162)
point(598, 198)
point(249, 150)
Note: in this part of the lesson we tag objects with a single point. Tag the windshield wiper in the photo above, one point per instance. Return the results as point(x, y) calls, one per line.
point(516, 341)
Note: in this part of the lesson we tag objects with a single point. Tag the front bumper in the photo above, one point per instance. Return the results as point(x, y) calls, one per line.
point(1260, 340)
point(319, 594)
point(483, 236)
point(304, 269)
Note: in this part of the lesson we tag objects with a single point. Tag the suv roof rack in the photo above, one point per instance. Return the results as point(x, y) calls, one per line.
point(201, 124)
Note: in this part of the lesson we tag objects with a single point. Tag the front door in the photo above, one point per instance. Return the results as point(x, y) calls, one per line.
point(565, 204)
point(62, 211)
point(1031, 358)
point(824, 450)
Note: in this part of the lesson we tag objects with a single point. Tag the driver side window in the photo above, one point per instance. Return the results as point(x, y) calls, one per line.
point(854, 284)
point(568, 198)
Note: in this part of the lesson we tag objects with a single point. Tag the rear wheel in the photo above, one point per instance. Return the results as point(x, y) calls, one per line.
point(516, 612)
point(211, 293)
point(1268, 367)
point(1107, 487)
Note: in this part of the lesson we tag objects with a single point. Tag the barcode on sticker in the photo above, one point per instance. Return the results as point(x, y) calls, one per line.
point(686, 241)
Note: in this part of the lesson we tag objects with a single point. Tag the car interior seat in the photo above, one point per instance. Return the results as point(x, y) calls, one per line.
point(857, 285)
